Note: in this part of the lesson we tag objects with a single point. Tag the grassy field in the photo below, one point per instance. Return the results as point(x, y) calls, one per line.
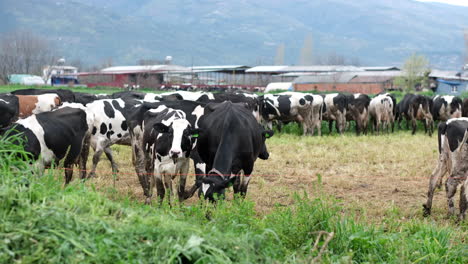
point(368, 190)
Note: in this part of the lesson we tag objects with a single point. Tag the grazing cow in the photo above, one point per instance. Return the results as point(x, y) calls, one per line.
point(415, 107)
point(283, 108)
point(65, 95)
point(128, 95)
point(382, 112)
point(230, 141)
point(335, 110)
point(52, 136)
point(358, 110)
point(446, 107)
point(9, 109)
point(169, 138)
point(453, 158)
point(465, 108)
point(35, 104)
point(141, 158)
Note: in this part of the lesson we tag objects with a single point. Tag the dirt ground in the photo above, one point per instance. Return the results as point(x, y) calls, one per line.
point(372, 176)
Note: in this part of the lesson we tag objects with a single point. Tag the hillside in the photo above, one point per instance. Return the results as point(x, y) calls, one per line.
point(380, 32)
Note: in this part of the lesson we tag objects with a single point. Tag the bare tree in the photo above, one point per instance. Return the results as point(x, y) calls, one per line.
point(279, 58)
point(415, 73)
point(23, 52)
point(306, 57)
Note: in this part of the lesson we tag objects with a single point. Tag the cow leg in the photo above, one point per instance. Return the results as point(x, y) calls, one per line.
point(244, 185)
point(330, 126)
point(158, 181)
point(451, 189)
point(96, 158)
point(138, 159)
point(182, 180)
point(413, 124)
point(436, 177)
point(72, 155)
point(84, 157)
point(237, 184)
point(168, 186)
point(463, 200)
point(110, 157)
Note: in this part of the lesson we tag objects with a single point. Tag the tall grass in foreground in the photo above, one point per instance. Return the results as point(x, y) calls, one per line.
point(43, 222)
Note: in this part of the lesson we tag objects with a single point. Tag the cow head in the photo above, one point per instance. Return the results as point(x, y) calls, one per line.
point(9, 113)
point(175, 139)
point(214, 185)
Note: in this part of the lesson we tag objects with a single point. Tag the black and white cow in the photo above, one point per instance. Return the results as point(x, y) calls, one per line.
point(382, 112)
point(310, 107)
point(415, 107)
point(169, 138)
point(189, 96)
point(230, 141)
point(453, 159)
point(109, 128)
point(141, 158)
point(446, 107)
point(65, 95)
point(358, 111)
point(53, 136)
point(283, 108)
point(9, 109)
point(335, 110)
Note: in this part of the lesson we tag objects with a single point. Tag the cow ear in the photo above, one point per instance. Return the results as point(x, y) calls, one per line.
point(195, 132)
point(161, 128)
point(268, 133)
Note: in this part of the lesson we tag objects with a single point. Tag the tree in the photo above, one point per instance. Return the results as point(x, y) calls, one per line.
point(279, 58)
point(23, 52)
point(306, 57)
point(415, 73)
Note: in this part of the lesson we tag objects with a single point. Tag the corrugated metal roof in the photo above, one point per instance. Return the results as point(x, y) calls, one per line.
point(381, 68)
point(145, 68)
point(371, 79)
point(267, 69)
point(322, 68)
point(220, 68)
point(443, 74)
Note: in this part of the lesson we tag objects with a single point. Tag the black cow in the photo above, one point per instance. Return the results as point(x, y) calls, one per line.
point(9, 109)
point(453, 158)
point(52, 136)
point(141, 158)
point(128, 95)
point(415, 107)
point(446, 107)
point(358, 111)
point(65, 95)
point(230, 141)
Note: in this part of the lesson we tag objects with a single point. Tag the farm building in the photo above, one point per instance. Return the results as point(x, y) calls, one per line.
point(222, 76)
point(352, 82)
point(149, 76)
point(449, 82)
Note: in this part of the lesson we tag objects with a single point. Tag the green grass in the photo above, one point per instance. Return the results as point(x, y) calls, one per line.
point(43, 222)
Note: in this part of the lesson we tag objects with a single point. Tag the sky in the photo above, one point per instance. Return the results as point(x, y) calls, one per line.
point(452, 2)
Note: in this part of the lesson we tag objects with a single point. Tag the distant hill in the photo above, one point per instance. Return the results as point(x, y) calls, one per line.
point(378, 32)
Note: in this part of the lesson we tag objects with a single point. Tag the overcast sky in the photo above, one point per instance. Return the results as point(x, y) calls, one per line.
point(452, 2)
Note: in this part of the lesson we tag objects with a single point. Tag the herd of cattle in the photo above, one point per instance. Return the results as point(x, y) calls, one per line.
point(223, 133)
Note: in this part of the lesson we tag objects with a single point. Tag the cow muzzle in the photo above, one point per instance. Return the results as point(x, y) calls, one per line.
point(175, 154)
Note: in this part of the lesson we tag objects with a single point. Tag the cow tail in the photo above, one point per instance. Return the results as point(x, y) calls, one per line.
point(442, 130)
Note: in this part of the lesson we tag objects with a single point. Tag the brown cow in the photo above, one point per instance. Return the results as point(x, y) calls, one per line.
point(35, 104)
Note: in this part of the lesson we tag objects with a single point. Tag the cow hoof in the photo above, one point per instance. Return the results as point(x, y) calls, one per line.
point(148, 201)
point(426, 211)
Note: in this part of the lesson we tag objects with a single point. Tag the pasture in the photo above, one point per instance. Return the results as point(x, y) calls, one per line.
point(369, 190)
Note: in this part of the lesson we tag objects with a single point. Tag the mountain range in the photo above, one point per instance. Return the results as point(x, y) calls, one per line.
point(247, 32)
